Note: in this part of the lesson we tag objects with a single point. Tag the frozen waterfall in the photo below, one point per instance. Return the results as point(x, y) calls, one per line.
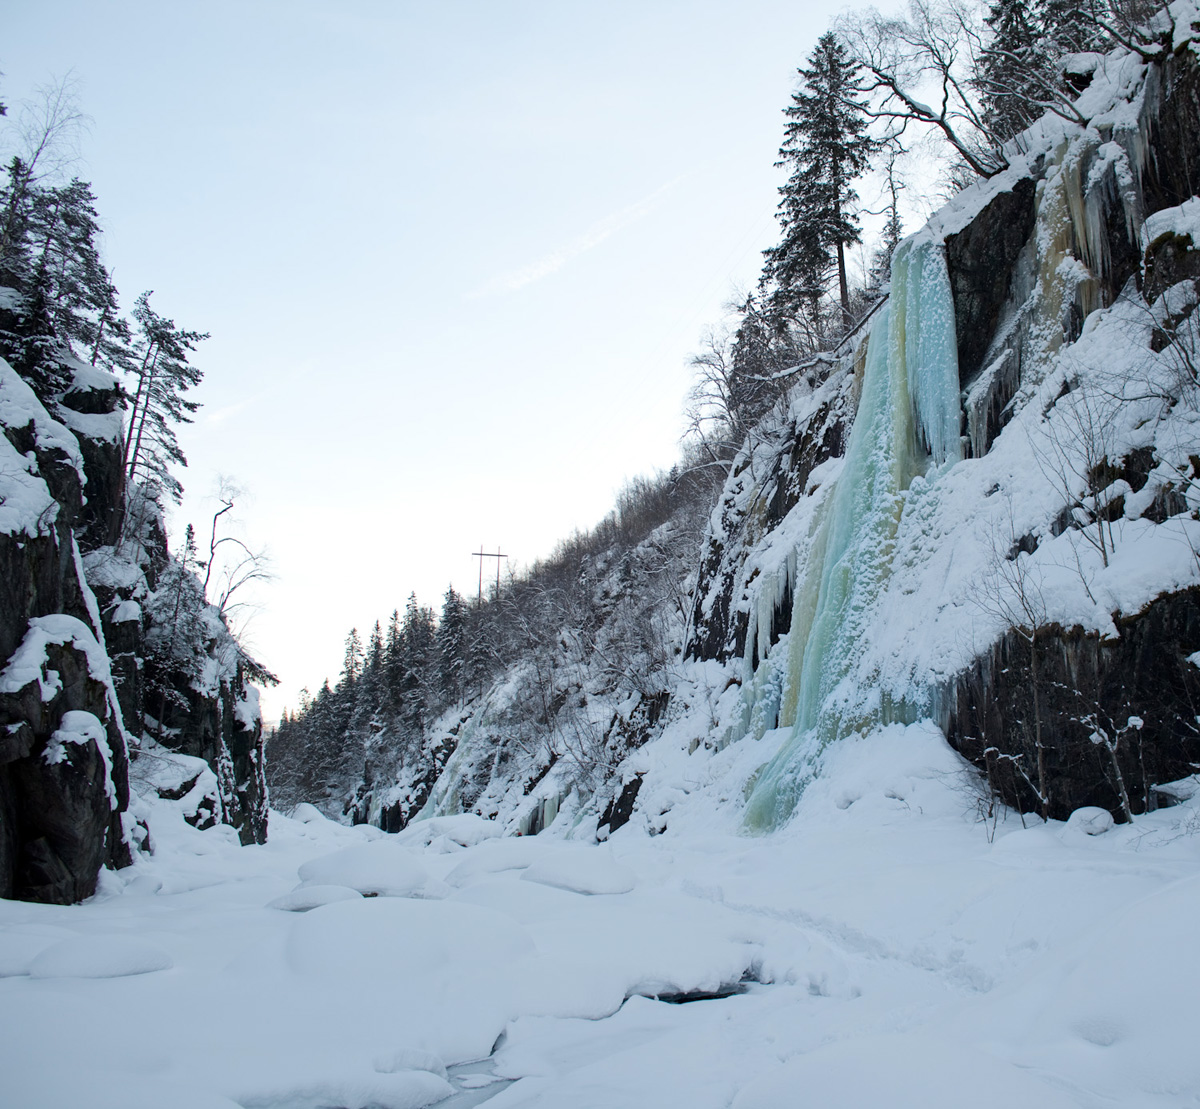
point(908, 424)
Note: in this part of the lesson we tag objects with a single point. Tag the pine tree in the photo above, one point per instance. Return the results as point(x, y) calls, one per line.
point(65, 258)
point(29, 344)
point(827, 148)
point(27, 335)
point(112, 342)
point(163, 375)
point(65, 304)
point(15, 214)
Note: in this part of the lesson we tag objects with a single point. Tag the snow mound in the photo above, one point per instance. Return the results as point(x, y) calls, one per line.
point(901, 1072)
point(398, 940)
point(304, 898)
point(495, 857)
point(896, 772)
point(98, 957)
point(380, 869)
point(1090, 819)
point(588, 871)
point(407, 1090)
point(308, 814)
point(410, 1058)
point(466, 830)
point(18, 952)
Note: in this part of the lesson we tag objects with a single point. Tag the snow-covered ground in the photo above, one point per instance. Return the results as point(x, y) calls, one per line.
point(886, 948)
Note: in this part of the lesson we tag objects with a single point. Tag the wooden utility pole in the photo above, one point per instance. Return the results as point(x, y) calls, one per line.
point(481, 554)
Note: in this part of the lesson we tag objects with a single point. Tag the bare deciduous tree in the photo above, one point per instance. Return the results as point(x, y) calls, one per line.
point(1076, 461)
point(44, 144)
point(232, 564)
point(919, 68)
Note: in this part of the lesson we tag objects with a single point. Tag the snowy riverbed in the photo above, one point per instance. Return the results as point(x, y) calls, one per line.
point(886, 948)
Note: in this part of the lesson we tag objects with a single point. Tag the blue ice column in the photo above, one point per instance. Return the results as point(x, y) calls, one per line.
point(908, 423)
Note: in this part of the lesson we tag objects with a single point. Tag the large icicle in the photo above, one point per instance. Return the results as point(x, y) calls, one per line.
point(910, 401)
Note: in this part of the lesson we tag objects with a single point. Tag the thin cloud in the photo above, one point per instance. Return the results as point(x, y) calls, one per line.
point(550, 263)
point(220, 415)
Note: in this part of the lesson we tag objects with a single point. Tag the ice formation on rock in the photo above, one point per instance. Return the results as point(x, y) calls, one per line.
point(908, 425)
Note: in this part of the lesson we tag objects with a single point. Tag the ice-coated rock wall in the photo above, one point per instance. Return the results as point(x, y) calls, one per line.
point(1060, 523)
point(907, 426)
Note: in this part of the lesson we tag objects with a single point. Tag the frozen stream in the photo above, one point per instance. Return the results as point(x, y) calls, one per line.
point(911, 960)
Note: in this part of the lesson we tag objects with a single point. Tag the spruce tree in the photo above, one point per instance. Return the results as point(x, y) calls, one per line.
point(393, 665)
point(417, 639)
point(1011, 68)
point(365, 717)
point(762, 346)
point(827, 148)
point(451, 643)
point(1019, 75)
point(352, 662)
point(368, 692)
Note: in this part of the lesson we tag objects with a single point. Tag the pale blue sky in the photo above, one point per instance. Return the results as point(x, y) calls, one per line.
point(453, 258)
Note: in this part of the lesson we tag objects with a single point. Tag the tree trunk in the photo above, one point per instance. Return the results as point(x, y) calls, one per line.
point(843, 288)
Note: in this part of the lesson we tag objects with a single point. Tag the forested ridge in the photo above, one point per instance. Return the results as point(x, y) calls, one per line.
point(601, 616)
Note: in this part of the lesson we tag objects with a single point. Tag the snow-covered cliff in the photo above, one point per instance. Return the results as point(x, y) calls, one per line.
point(979, 512)
point(113, 668)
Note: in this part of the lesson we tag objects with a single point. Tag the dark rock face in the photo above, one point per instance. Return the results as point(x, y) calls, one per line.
point(61, 796)
point(980, 259)
point(1085, 684)
point(1085, 688)
point(162, 690)
point(217, 728)
point(37, 577)
point(1174, 171)
point(248, 782)
point(620, 808)
point(99, 521)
